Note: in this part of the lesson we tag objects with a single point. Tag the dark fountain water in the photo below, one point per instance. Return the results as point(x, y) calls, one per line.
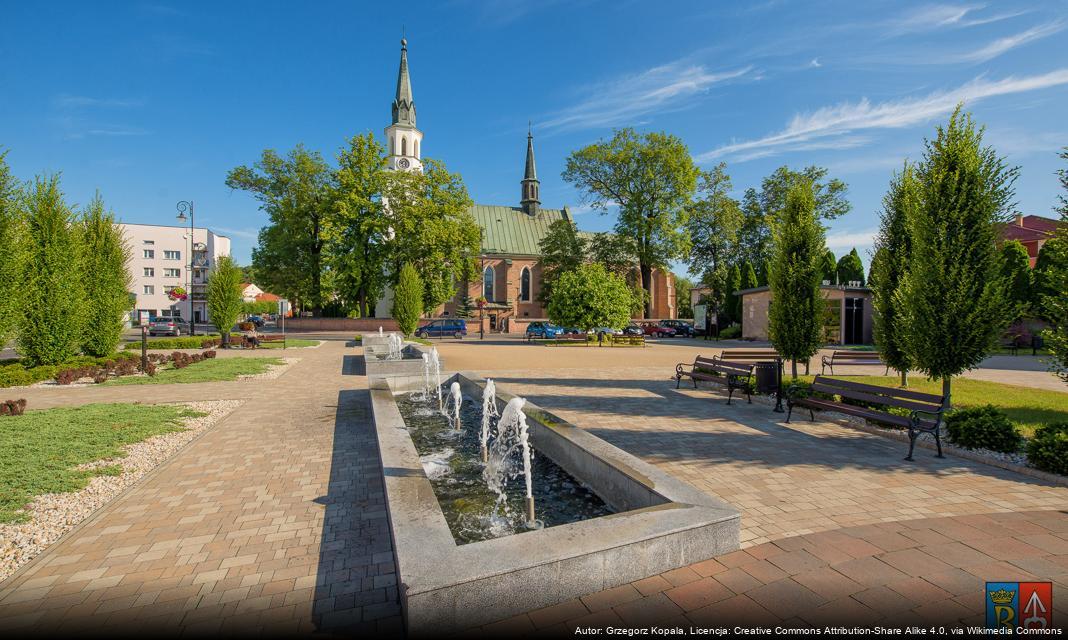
point(452, 462)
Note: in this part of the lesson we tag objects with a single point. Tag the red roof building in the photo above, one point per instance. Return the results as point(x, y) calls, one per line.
point(1032, 232)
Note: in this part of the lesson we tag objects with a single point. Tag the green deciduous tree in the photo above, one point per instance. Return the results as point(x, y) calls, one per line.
point(953, 296)
point(651, 179)
point(795, 319)
point(683, 287)
point(893, 248)
point(357, 229)
point(589, 297)
point(107, 280)
point(1052, 259)
point(296, 192)
point(1055, 303)
point(408, 300)
point(760, 207)
point(714, 222)
point(53, 290)
point(850, 268)
point(432, 227)
point(224, 295)
point(1016, 269)
point(12, 235)
point(562, 249)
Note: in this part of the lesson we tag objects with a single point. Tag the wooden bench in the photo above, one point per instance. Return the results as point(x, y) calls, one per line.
point(1012, 343)
point(264, 337)
point(637, 341)
point(859, 358)
point(734, 375)
point(925, 408)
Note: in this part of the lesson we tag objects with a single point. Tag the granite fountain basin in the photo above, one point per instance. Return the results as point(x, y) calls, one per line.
point(659, 523)
point(378, 365)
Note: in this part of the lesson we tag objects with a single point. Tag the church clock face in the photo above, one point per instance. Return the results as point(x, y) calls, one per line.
point(403, 163)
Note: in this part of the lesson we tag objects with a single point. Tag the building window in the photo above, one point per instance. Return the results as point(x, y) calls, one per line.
point(172, 255)
point(415, 152)
point(150, 242)
point(392, 146)
point(149, 290)
point(149, 272)
point(404, 146)
point(169, 288)
point(149, 253)
point(524, 285)
point(172, 273)
point(487, 284)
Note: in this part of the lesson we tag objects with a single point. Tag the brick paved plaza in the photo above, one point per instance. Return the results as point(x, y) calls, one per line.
point(274, 520)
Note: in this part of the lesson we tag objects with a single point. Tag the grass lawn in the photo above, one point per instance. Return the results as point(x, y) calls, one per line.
point(213, 370)
point(40, 449)
point(1026, 407)
point(291, 343)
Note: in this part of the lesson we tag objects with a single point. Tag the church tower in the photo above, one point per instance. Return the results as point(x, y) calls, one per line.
point(403, 140)
point(531, 197)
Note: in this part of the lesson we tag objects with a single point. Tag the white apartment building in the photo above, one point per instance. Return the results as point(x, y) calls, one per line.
point(161, 262)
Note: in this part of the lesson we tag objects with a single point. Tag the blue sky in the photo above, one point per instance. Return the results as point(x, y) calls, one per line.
point(152, 103)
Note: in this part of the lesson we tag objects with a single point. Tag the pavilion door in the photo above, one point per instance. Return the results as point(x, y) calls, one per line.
point(854, 321)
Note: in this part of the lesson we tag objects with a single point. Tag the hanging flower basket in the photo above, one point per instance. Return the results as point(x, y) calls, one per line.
point(481, 302)
point(178, 294)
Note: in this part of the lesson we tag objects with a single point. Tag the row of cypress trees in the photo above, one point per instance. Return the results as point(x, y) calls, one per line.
point(940, 285)
point(64, 282)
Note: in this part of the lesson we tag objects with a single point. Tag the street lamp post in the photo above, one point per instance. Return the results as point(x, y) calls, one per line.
point(184, 206)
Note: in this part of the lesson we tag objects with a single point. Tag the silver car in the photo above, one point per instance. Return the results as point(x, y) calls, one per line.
point(165, 326)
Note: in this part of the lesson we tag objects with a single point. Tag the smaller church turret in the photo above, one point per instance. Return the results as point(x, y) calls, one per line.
point(531, 196)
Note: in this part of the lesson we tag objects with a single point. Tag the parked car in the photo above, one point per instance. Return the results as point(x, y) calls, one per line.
point(257, 320)
point(442, 328)
point(608, 331)
point(682, 329)
point(654, 330)
point(543, 330)
point(633, 330)
point(171, 326)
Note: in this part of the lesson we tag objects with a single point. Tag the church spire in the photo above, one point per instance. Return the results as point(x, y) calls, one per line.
point(404, 104)
point(531, 185)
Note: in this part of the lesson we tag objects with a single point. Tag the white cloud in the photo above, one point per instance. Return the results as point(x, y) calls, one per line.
point(847, 240)
point(831, 122)
point(249, 234)
point(1003, 45)
point(943, 16)
point(66, 101)
point(627, 99)
point(815, 63)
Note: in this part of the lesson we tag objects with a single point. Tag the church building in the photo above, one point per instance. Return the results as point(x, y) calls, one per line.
point(510, 258)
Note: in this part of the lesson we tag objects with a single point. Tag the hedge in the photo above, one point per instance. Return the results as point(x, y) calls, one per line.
point(186, 342)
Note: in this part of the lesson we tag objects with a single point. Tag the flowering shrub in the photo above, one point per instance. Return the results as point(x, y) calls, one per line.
point(13, 407)
point(178, 294)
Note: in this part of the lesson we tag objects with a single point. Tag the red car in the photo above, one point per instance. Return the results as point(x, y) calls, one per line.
point(656, 331)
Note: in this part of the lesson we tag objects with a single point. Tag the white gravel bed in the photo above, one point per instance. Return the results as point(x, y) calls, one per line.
point(273, 370)
point(54, 514)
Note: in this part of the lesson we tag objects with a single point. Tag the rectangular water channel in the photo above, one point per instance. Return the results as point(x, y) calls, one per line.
point(609, 517)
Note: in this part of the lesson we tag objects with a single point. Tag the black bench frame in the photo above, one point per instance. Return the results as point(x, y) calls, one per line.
point(919, 404)
point(733, 375)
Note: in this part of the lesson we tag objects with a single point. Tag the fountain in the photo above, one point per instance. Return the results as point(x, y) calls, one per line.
point(489, 411)
point(465, 535)
point(434, 365)
point(396, 346)
point(457, 400)
point(379, 331)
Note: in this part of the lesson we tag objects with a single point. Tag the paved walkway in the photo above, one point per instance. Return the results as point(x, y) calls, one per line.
point(926, 572)
point(273, 520)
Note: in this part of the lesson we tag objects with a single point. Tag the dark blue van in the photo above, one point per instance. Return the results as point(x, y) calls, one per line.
point(449, 327)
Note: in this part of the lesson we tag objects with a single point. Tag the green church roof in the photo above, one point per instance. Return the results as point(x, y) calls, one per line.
point(510, 231)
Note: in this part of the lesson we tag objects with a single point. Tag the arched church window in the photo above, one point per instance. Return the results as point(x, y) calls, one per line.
point(415, 150)
point(404, 146)
point(392, 145)
point(487, 284)
point(524, 285)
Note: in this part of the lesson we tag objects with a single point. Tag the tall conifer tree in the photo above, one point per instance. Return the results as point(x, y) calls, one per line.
point(888, 268)
point(107, 280)
point(53, 291)
point(12, 235)
point(953, 295)
point(795, 319)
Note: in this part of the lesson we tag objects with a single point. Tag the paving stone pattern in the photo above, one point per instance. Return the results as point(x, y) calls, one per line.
point(273, 521)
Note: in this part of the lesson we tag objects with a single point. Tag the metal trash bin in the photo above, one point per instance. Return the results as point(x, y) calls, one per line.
point(767, 376)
